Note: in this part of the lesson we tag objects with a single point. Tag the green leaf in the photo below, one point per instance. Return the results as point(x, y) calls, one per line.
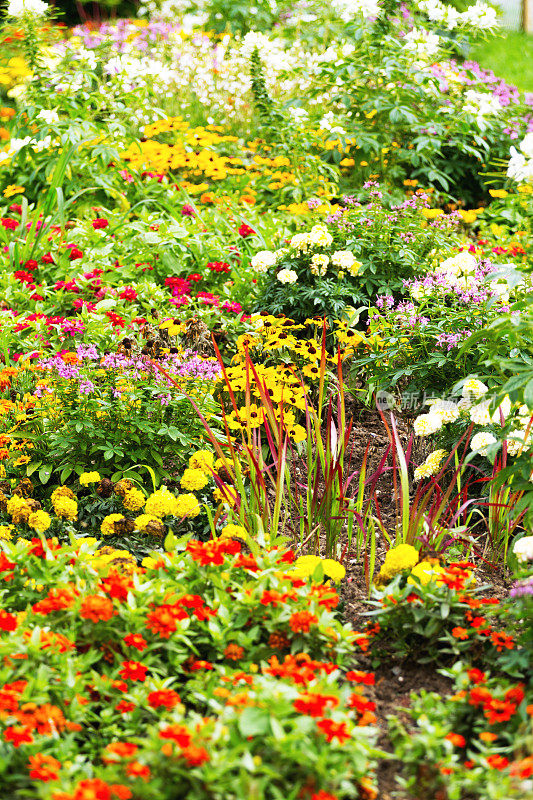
point(170, 542)
point(45, 473)
point(254, 722)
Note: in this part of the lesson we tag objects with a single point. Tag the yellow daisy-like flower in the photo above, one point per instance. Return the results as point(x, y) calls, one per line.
point(161, 504)
point(12, 190)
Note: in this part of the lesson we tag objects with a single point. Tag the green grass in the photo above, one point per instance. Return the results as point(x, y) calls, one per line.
point(510, 56)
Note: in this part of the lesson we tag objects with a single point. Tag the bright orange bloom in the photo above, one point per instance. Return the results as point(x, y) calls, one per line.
point(43, 768)
point(167, 698)
point(301, 621)
point(334, 730)
point(456, 739)
point(233, 652)
point(488, 736)
point(460, 633)
point(97, 608)
point(137, 770)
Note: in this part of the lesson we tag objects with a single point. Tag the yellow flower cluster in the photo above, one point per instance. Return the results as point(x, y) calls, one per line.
point(305, 566)
point(202, 459)
point(398, 559)
point(108, 524)
point(232, 531)
point(89, 477)
point(13, 72)
point(40, 521)
point(430, 465)
point(133, 500)
point(194, 479)
point(64, 503)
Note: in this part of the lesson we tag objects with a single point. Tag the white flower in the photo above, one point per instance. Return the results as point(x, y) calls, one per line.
point(520, 166)
point(423, 44)
point(480, 16)
point(319, 236)
point(481, 441)
point(426, 424)
point(523, 549)
point(474, 388)
point(300, 241)
point(526, 145)
point(17, 8)
point(445, 409)
point(461, 264)
point(346, 260)
point(319, 264)
point(348, 9)
point(48, 116)
point(263, 260)
point(287, 276)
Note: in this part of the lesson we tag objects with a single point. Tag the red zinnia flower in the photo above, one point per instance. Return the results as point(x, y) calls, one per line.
point(17, 736)
point(96, 608)
point(301, 621)
point(136, 640)
point(456, 739)
point(167, 698)
point(334, 730)
point(460, 633)
point(133, 671)
point(43, 768)
point(100, 223)
point(8, 622)
point(136, 770)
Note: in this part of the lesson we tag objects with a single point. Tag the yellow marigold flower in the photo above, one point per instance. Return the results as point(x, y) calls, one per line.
point(108, 524)
point(62, 491)
point(403, 556)
point(187, 506)
point(89, 477)
point(16, 506)
point(425, 571)
point(231, 531)
point(142, 521)
point(6, 531)
point(66, 507)
point(133, 500)
point(40, 521)
point(194, 479)
point(202, 459)
point(161, 504)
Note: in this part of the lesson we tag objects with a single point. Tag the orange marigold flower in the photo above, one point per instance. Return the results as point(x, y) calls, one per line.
point(476, 675)
point(314, 704)
point(97, 608)
point(301, 621)
point(176, 733)
point(136, 640)
point(233, 652)
point(17, 736)
point(358, 676)
point(120, 750)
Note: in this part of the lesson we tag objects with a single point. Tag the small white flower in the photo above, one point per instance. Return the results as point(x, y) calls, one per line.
point(287, 276)
point(523, 549)
point(17, 8)
point(263, 260)
point(426, 424)
point(481, 442)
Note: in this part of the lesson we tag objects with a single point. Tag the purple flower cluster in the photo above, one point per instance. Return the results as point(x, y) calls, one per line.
point(523, 588)
point(451, 340)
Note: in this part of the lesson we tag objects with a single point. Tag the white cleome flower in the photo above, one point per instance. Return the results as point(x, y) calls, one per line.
point(287, 276)
point(17, 8)
point(481, 441)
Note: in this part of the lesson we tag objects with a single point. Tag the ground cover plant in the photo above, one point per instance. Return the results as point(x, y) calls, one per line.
point(266, 403)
